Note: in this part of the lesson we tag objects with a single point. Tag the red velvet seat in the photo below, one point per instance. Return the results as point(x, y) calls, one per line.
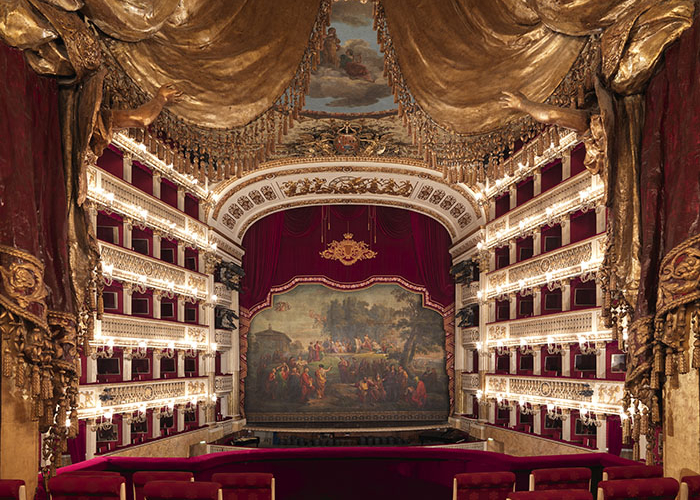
point(632, 472)
point(690, 488)
point(86, 487)
point(483, 486)
point(141, 478)
point(106, 473)
point(12, 489)
point(246, 485)
point(551, 495)
point(570, 478)
point(167, 490)
point(658, 488)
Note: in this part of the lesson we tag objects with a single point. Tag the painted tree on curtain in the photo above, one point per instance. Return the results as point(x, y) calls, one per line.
point(319, 354)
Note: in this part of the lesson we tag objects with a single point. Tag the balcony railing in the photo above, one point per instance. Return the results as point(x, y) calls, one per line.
point(223, 338)
point(119, 196)
point(470, 335)
point(141, 270)
point(562, 327)
point(95, 400)
point(471, 382)
point(223, 383)
point(129, 331)
point(604, 396)
point(567, 262)
point(224, 296)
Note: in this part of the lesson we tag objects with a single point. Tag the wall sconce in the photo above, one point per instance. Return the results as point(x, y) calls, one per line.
point(588, 419)
point(104, 351)
point(138, 417)
point(587, 272)
point(555, 413)
point(503, 404)
point(210, 402)
point(552, 284)
point(211, 353)
point(139, 352)
point(191, 351)
point(168, 352)
point(585, 346)
point(525, 349)
point(167, 412)
point(501, 350)
point(105, 423)
point(553, 348)
point(107, 270)
point(525, 408)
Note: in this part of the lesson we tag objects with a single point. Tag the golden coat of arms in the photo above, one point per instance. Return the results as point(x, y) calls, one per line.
point(348, 251)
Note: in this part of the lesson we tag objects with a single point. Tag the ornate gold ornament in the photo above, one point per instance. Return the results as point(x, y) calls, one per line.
point(348, 185)
point(348, 251)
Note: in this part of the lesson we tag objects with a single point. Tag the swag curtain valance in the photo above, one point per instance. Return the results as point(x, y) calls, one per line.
point(286, 244)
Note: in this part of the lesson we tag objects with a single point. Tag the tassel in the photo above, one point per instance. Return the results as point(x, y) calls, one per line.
point(626, 430)
point(36, 382)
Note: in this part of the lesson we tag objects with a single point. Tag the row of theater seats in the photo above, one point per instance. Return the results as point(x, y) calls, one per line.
point(160, 485)
point(574, 483)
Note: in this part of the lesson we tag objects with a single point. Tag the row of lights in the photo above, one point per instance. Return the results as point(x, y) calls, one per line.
point(107, 199)
point(105, 348)
point(553, 347)
point(141, 281)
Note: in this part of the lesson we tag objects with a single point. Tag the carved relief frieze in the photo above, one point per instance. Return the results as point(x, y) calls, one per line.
point(566, 258)
point(140, 265)
point(496, 332)
point(347, 185)
point(471, 381)
point(496, 384)
point(223, 383)
point(470, 336)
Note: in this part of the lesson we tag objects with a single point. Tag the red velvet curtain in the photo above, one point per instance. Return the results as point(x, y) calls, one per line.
point(670, 173)
point(287, 244)
point(33, 205)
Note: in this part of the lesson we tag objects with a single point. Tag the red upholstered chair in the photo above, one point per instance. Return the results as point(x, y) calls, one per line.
point(12, 489)
point(246, 485)
point(690, 488)
point(107, 473)
point(632, 472)
point(570, 478)
point(657, 488)
point(483, 485)
point(141, 478)
point(167, 490)
point(551, 495)
point(86, 487)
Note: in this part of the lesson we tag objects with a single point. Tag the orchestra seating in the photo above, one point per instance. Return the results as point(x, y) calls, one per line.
point(246, 485)
point(657, 488)
point(12, 489)
point(83, 486)
point(141, 478)
point(632, 472)
point(191, 490)
point(486, 485)
point(690, 488)
point(551, 495)
point(350, 473)
point(561, 478)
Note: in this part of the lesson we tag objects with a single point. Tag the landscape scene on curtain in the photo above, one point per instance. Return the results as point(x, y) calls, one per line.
point(350, 76)
point(320, 354)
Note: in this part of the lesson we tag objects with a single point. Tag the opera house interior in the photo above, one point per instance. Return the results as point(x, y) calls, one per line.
point(341, 249)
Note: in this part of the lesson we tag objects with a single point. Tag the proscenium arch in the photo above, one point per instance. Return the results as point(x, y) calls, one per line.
point(239, 203)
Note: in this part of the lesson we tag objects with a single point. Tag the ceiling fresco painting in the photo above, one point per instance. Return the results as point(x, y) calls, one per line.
point(350, 76)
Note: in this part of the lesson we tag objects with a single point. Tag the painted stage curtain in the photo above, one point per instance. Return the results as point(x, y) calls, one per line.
point(287, 244)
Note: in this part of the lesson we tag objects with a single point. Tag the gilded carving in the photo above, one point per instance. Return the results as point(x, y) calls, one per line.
point(497, 332)
point(347, 185)
point(348, 251)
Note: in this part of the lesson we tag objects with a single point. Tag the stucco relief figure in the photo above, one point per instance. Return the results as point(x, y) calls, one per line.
point(329, 49)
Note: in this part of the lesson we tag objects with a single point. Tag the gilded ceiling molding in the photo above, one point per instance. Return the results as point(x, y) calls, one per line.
point(231, 187)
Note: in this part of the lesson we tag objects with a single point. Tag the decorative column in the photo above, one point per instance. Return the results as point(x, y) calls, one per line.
point(202, 414)
point(180, 419)
point(127, 167)
point(566, 425)
point(513, 196)
point(156, 184)
point(492, 361)
point(537, 420)
point(492, 210)
point(492, 259)
point(468, 399)
point(600, 215)
point(601, 360)
point(90, 440)
point(537, 360)
point(513, 420)
point(513, 360)
point(201, 312)
point(566, 164)
point(92, 211)
point(492, 411)
point(157, 297)
point(566, 295)
point(512, 306)
point(512, 252)
point(156, 244)
point(536, 301)
point(201, 261)
point(601, 434)
point(566, 361)
point(126, 432)
point(127, 291)
point(469, 358)
point(180, 254)
point(202, 364)
point(126, 367)
point(180, 308)
point(128, 231)
point(157, 354)
point(537, 242)
point(599, 295)
point(91, 369)
point(565, 231)
point(155, 425)
point(537, 182)
point(491, 305)
point(180, 198)
point(180, 363)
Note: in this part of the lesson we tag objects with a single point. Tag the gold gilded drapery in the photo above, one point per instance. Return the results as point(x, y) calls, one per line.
point(231, 59)
point(457, 56)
